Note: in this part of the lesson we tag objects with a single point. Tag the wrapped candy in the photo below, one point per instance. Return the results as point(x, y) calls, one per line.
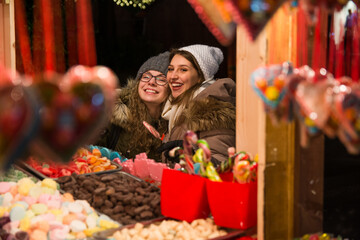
point(244, 168)
point(269, 83)
point(312, 91)
point(347, 111)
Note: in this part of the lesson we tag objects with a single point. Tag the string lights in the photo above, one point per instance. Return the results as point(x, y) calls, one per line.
point(134, 3)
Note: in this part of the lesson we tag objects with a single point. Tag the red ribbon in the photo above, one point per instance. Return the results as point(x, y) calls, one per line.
point(86, 47)
point(23, 37)
point(332, 48)
point(339, 68)
point(49, 41)
point(355, 58)
point(302, 35)
point(59, 36)
point(71, 39)
point(316, 58)
point(38, 39)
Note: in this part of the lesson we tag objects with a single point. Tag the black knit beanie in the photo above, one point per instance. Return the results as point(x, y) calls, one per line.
point(157, 63)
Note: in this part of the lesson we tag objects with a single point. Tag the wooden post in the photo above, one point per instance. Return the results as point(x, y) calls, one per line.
point(256, 134)
point(250, 117)
point(7, 34)
point(280, 140)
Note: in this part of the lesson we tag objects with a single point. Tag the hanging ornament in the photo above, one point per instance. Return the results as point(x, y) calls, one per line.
point(134, 3)
point(253, 14)
point(217, 18)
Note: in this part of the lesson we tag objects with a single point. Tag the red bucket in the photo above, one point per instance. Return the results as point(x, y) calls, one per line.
point(232, 204)
point(183, 196)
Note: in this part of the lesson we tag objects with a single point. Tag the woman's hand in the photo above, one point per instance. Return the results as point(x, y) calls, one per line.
point(168, 146)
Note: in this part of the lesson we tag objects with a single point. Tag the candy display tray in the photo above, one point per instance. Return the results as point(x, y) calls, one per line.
point(41, 176)
point(232, 233)
point(29, 174)
point(126, 175)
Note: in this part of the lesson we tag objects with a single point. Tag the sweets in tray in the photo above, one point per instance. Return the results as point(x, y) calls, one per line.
point(83, 162)
point(170, 229)
point(39, 211)
point(119, 195)
point(15, 173)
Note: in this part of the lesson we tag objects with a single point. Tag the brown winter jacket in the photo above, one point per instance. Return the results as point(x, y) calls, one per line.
point(212, 115)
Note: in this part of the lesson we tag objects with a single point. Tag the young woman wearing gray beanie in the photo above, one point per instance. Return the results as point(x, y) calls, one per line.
point(198, 102)
point(141, 100)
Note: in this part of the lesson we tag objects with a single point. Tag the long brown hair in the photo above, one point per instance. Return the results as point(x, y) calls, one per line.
point(185, 97)
point(142, 139)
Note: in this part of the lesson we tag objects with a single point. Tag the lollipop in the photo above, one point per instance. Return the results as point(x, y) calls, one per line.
point(241, 171)
point(244, 168)
point(203, 156)
point(190, 140)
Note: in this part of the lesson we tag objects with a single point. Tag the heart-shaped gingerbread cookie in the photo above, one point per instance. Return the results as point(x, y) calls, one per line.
point(74, 109)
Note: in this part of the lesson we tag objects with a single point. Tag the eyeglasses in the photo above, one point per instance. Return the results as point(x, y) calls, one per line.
point(159, 79)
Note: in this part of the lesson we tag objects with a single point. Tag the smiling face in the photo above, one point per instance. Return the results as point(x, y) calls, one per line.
point(181, 75)
point(150, 92)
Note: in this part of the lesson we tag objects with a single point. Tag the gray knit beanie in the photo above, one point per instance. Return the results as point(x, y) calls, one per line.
point(157, 63)
point(209, 58)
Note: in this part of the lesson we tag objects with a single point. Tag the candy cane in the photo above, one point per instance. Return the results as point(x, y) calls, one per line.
point(190, 139)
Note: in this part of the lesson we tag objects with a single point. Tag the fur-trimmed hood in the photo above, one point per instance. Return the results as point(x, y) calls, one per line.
point(208, 114)
point(213, 108)
point(121, 112)
point(212, 115)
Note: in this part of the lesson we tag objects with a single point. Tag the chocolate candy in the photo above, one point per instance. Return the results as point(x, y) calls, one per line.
point(118, 195)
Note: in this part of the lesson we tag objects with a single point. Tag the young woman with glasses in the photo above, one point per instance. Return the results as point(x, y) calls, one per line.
point(141, 100)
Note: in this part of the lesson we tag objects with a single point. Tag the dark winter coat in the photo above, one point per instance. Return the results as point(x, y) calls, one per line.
point(126, 133)
point(212, 115)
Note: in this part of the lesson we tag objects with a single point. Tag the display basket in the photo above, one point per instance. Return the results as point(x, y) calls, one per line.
point(42, 176)
point(233, 205)
point(183, 196)
point(106, 234)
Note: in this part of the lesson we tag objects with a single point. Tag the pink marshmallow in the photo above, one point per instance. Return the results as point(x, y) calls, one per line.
point(128, 166)
point(156, 170)
point(5, 187)
point(52, 201)
point(48, 217)
point(58, 234)
point(29, 200)
point(11, 225)
point(141, 168)
point(141, 156)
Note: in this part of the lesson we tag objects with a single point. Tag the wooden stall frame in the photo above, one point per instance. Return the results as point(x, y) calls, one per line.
point(7, 34)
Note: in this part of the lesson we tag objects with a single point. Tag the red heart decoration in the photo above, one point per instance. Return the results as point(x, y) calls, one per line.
point(75, 107)
point(217, 19)
point(19, 119)
point(314, 96)
point(347, 111)
point(254, 15)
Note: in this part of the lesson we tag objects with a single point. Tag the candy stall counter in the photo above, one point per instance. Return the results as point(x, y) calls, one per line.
point(167, 228)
